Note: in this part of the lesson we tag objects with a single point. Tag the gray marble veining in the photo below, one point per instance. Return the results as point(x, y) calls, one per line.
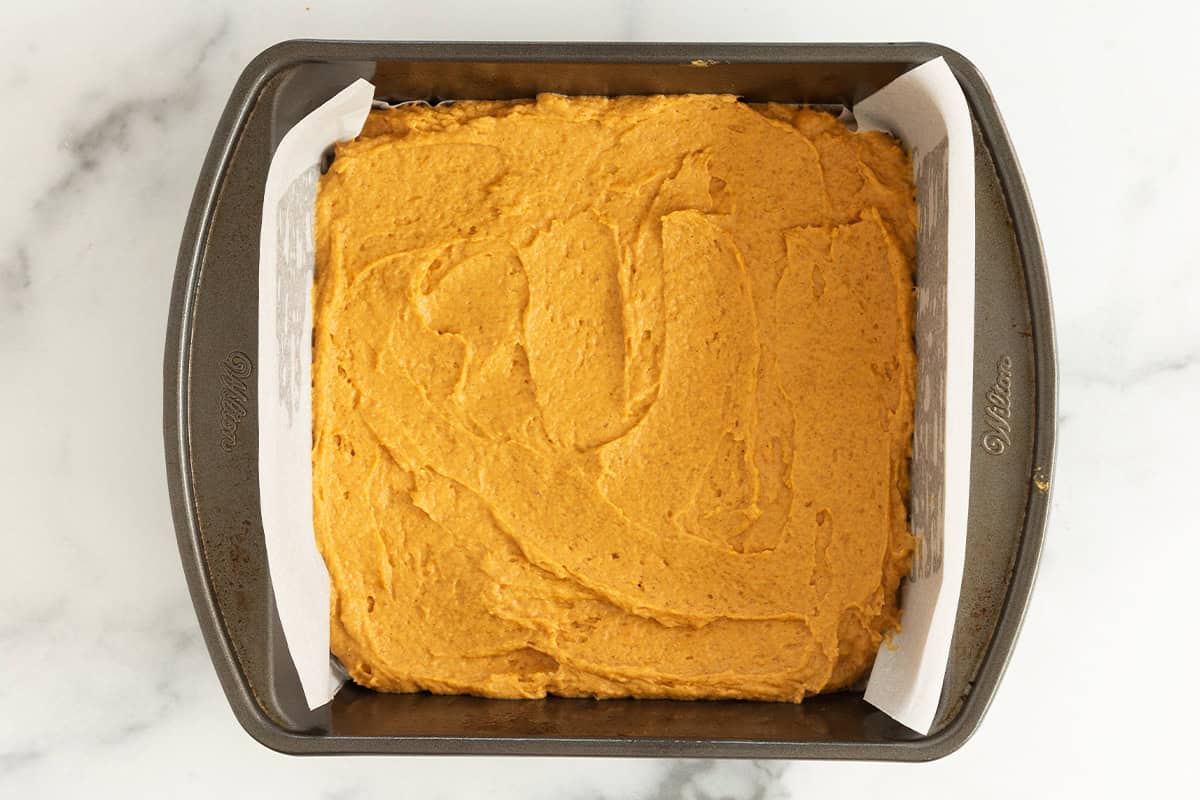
point(15, 278)
point(109, 134)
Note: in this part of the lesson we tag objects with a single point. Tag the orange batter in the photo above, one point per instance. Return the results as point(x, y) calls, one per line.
point(613, 397)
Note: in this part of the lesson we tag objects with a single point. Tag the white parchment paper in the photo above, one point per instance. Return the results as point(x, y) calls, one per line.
point(285, 322)
point(926, 109)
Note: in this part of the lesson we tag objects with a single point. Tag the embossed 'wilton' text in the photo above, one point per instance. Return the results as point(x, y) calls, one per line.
point(997, 414)
point(235, 369)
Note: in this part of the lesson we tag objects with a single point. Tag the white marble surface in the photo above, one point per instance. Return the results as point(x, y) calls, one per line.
point(105, 686)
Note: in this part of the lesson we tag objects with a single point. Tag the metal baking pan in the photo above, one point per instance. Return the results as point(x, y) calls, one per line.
point(210, 426)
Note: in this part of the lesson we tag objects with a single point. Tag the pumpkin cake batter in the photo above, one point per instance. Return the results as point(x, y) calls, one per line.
point(613, 397)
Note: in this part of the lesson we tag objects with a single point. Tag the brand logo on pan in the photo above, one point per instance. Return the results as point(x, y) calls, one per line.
point(235, 396)
point(997, 415)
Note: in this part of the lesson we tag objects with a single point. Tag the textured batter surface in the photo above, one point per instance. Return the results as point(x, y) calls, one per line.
point(613, 397)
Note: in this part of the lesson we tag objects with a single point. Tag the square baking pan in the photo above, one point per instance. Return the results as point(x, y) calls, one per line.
point(211, 436)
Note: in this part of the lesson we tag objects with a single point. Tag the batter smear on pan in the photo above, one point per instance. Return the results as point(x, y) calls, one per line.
point(613, 397)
